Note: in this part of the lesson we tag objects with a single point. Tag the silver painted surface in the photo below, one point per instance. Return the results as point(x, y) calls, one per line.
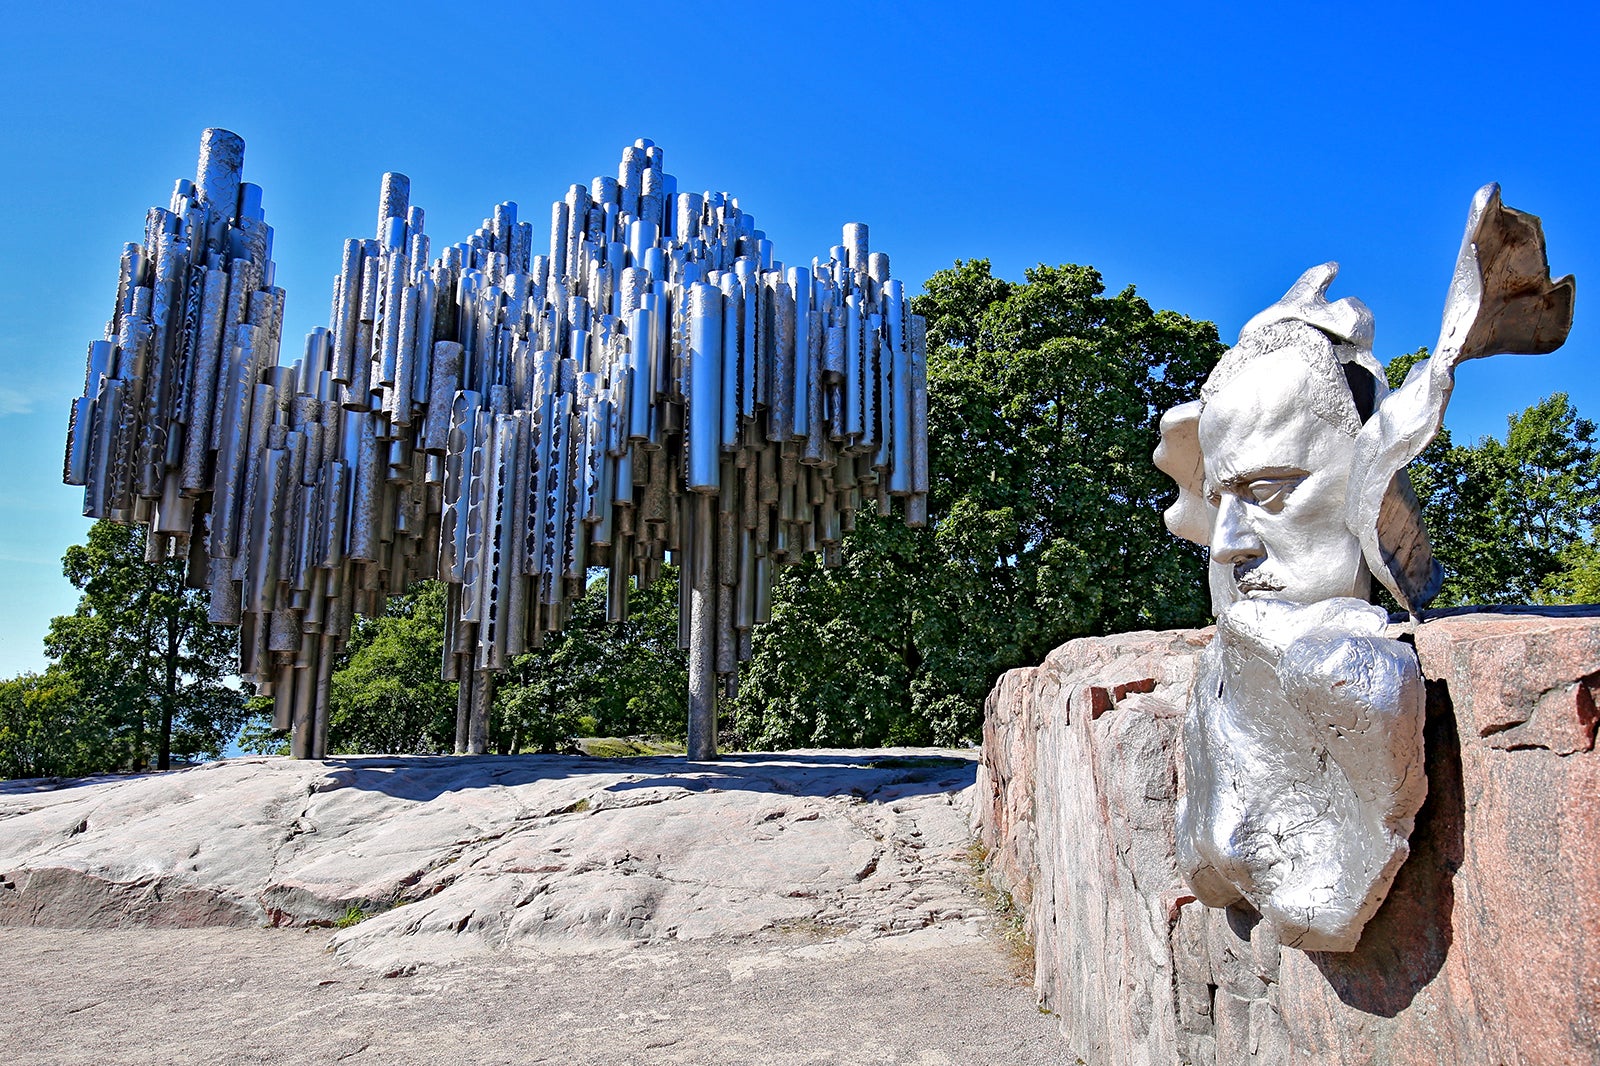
point(1501, 299)
point(1302, 767)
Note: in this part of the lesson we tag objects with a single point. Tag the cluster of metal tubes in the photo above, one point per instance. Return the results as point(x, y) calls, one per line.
point(655, 387)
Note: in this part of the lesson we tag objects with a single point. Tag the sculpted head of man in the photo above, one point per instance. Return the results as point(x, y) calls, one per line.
point(1264, 457)
point(1277, 431)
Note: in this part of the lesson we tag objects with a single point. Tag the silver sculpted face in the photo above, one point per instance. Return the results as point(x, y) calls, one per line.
point(1276, 470)
point(1303, 745)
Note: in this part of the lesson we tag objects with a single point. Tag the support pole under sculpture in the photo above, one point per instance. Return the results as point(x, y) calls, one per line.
point(308, 738)
point(474, 698)
point(702, 744)
point(304, 739)
point(319, 713)
point(482, 702)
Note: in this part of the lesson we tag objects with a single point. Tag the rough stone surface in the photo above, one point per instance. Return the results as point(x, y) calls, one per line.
point(131, 997)
point(1076, 802)
point(807, 908)
point(1484, 951)
point(451, 858)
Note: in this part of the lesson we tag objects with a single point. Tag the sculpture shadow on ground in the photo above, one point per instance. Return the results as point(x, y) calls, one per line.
point(1406, 943)
point(26, 785)
point(867, 775)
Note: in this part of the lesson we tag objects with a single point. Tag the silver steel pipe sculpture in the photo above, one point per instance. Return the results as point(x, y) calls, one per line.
point(656, 387)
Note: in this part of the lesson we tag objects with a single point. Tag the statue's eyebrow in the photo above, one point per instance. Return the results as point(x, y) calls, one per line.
point(1235, 482)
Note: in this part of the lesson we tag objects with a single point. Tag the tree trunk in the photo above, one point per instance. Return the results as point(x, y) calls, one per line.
point(169, 695)
point(141, 755)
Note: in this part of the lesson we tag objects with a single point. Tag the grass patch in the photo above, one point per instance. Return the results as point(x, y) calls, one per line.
point(812, 928)
point(361, 910)
point(354, 916)
point(1010, 922)
point(628, 747)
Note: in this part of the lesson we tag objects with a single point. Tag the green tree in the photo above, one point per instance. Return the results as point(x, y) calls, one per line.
point(385, 695)
point(1513, 521)
point(41, 733)
point(152, 677)
point(1045, 517)
point(840, 662)
point(1578, 580)
point(628, 678)
point(1041, 434)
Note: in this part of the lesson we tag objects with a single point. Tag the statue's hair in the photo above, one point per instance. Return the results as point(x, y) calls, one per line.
point(1330, 394)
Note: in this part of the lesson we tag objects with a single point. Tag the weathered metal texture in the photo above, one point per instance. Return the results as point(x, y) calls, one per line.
point(1303, 739)
point(503, 421)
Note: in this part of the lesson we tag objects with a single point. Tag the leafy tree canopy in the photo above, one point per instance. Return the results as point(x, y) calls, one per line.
point(1045, 518)
point(139, 673)
point(1513, 521)
point(42, 733)
point(599, 678)
point(385, 696)
point(592, 678)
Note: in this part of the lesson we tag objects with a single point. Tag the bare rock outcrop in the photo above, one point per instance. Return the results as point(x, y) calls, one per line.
point(1484, 951)
point(440, 858)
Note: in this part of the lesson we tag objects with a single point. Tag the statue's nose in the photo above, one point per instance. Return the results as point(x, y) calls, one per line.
point(1233, 541)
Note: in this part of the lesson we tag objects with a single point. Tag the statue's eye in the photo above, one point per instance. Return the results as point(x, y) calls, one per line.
point(1271, 493)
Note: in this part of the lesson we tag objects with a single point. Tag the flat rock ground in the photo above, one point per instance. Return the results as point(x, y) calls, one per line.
point(808, 907)
point(278, 996)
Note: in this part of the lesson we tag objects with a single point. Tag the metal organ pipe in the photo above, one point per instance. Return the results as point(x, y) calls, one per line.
point(656, 387)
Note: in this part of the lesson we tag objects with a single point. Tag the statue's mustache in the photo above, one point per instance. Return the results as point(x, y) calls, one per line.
point(1253, 576)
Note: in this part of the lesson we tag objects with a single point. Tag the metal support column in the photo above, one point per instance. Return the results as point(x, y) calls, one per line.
point(703, 634)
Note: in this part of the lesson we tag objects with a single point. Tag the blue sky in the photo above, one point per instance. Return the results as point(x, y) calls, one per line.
point(1206, 157)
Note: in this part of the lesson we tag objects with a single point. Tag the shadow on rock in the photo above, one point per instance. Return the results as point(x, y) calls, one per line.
point(1407, 941)
point(893, 774)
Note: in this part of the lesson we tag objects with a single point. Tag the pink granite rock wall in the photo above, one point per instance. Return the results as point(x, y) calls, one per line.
point(1486, 951)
